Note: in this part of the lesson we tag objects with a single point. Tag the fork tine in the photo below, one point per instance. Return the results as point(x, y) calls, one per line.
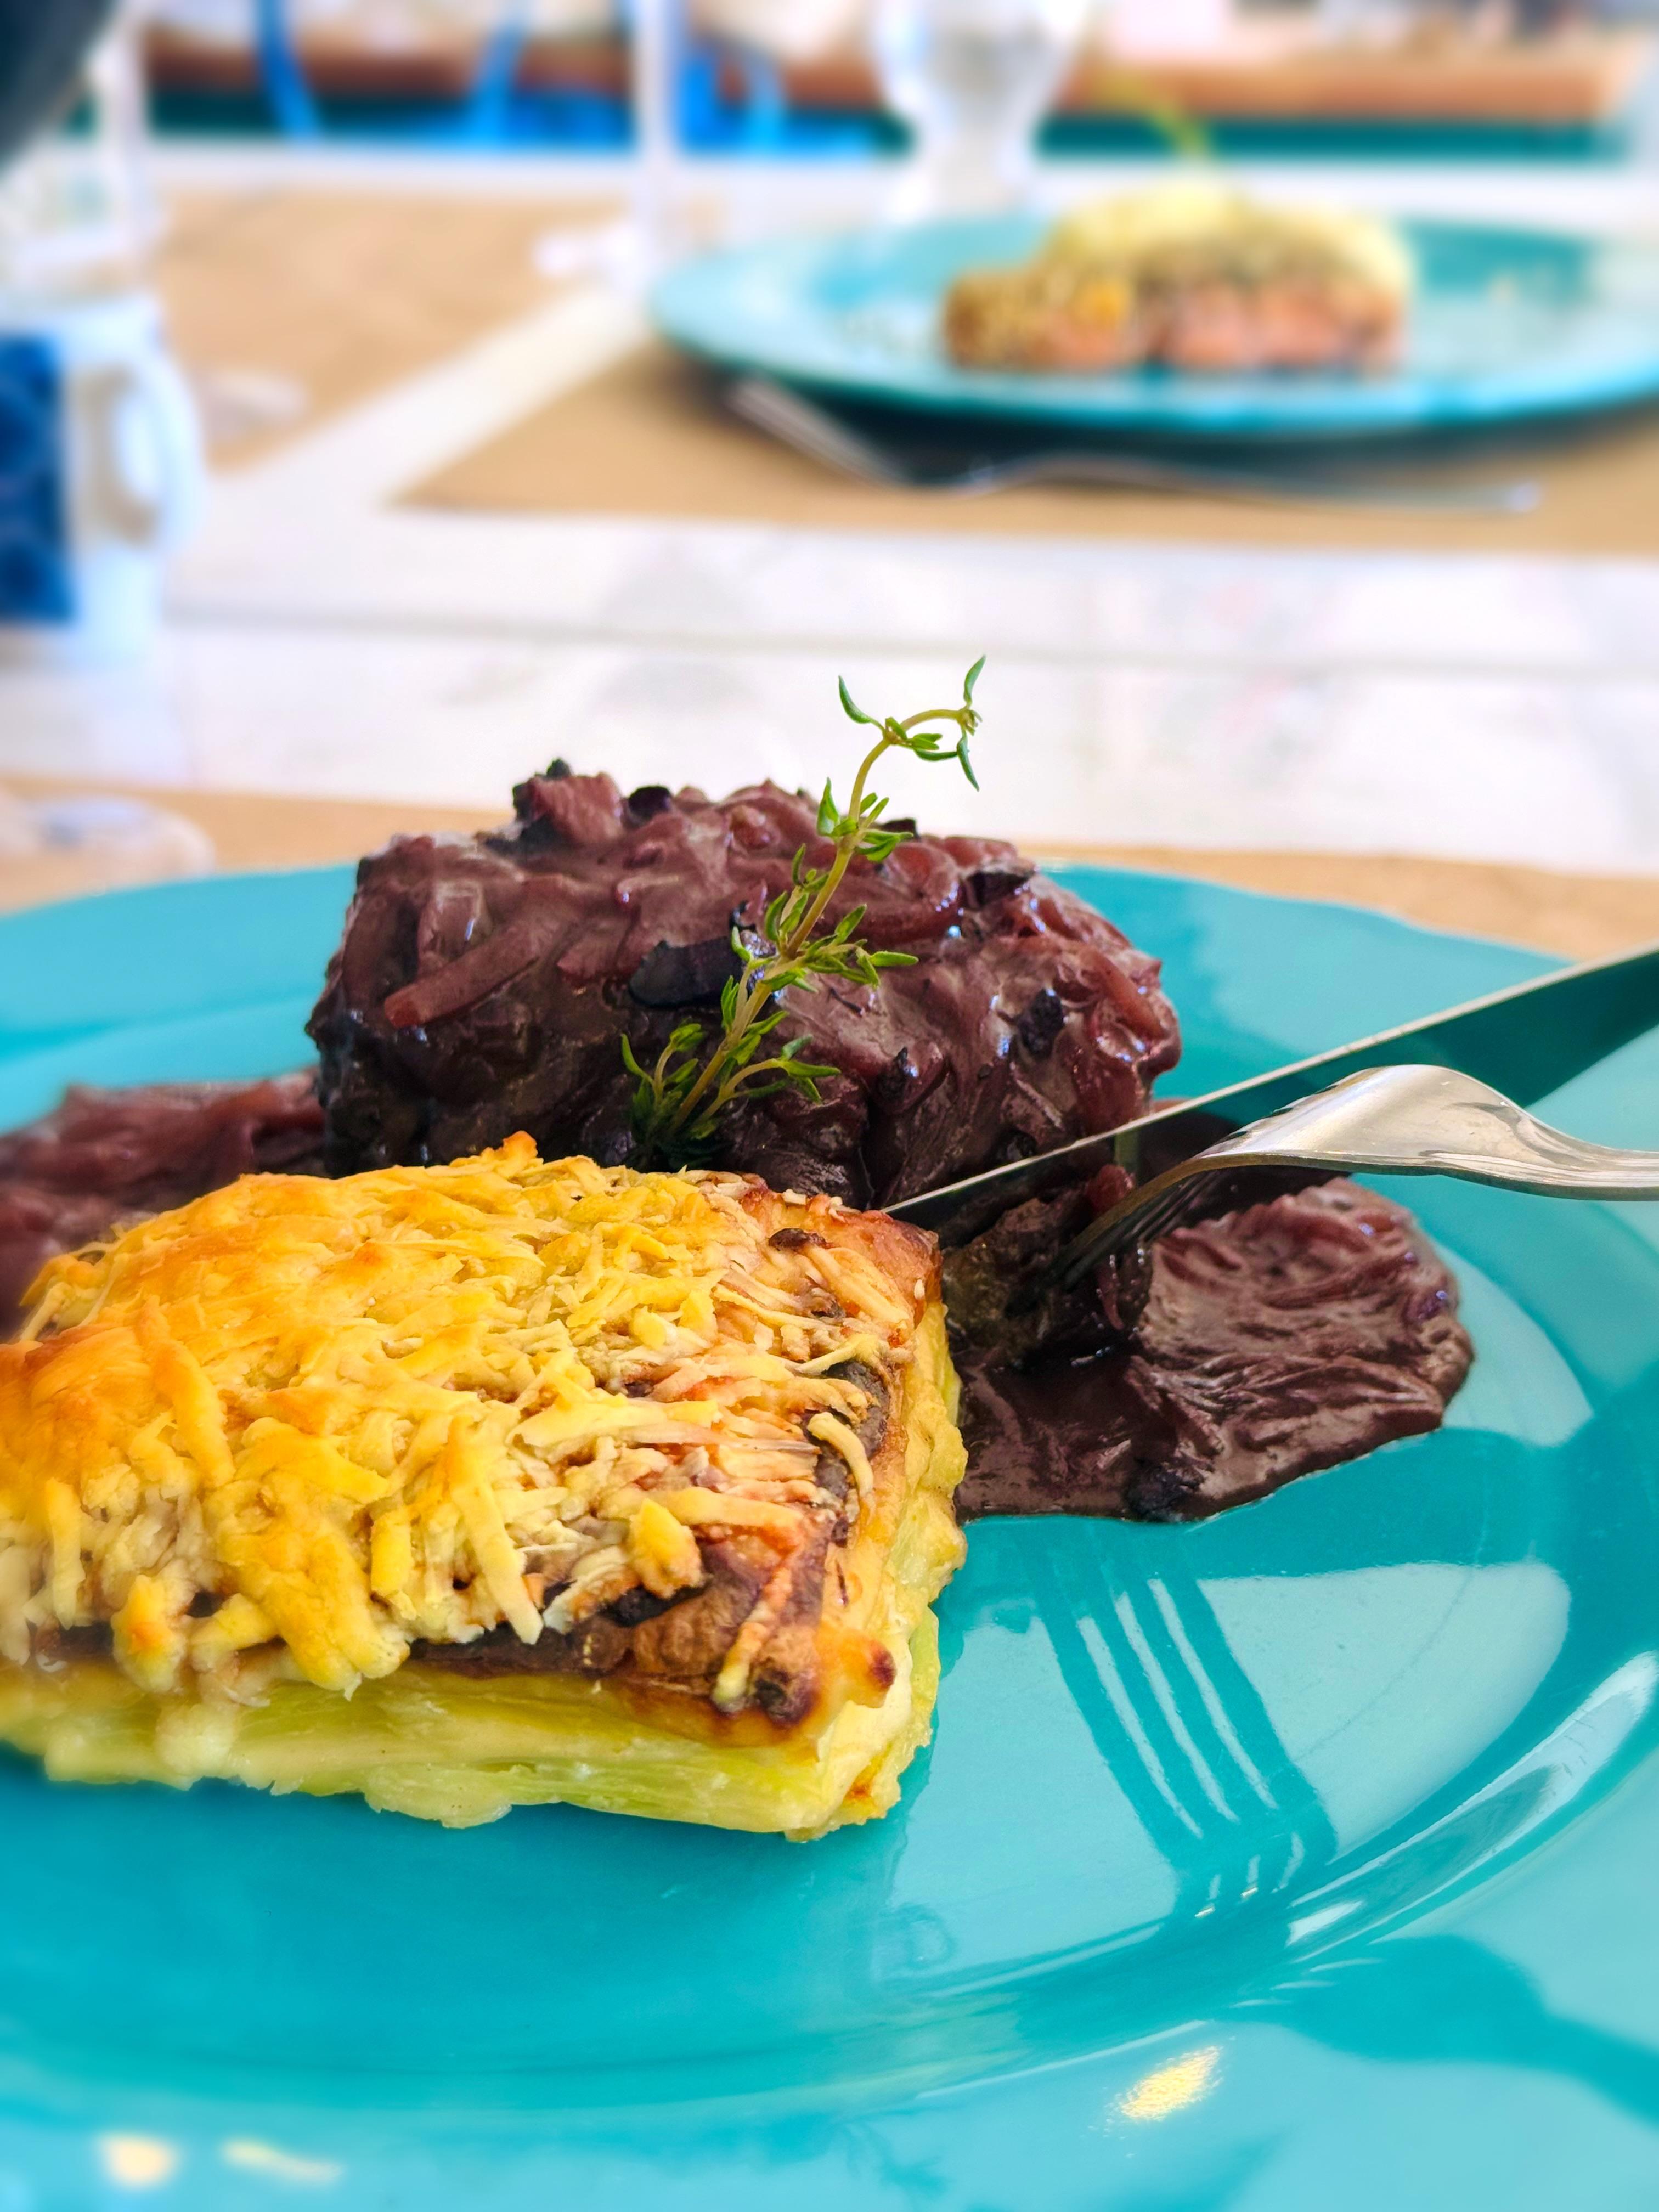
point(1401, 1118)
point(1177, 1207)
point(1137, 1225)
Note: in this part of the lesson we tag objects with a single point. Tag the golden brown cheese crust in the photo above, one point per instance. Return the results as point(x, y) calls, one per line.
point(646, 1427)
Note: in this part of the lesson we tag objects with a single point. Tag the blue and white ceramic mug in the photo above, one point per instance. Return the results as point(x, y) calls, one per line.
point(100, 469)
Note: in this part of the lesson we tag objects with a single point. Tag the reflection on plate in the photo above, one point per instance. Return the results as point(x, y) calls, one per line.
point(1194, 1896)
point(1507, 324)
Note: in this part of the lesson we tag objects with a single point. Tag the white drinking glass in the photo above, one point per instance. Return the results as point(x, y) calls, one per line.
point(973, 78)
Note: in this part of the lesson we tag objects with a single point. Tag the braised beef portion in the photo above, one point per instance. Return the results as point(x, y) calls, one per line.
point(997, 1297)
point(483, 986)
point(109, 1157)
point(1281, 1339)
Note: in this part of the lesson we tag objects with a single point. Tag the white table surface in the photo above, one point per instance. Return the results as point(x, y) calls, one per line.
point(322, 639)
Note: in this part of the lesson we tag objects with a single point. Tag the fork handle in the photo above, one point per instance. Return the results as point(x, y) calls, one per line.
point(1437, 1122)
point(1129, 472)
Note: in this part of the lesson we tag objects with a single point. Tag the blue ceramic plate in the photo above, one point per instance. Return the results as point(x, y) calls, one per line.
point(1508, 325)
point(1302, 1858)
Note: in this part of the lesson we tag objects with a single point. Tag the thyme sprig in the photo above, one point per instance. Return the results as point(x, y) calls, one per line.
point(680, 1100)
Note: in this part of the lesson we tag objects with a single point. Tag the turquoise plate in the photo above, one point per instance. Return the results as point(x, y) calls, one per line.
point(1508, 325)
point(1303, 1858)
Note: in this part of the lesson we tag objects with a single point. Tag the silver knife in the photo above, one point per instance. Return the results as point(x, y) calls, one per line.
point(1526, 1042)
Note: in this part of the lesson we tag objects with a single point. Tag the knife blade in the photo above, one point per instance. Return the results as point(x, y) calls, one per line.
point(1526, 1042)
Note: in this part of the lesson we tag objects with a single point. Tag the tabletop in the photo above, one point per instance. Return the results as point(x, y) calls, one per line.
point(1577, 916)
point(423, 568)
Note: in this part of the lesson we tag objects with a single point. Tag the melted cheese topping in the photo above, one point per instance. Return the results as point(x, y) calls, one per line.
point(298, 1425)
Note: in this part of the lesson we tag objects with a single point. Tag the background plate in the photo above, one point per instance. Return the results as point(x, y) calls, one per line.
point(1508, 325)
point(1254, 1863)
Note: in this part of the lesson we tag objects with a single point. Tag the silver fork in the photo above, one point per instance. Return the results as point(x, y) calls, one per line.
point(795, 421)
point(1390, 1120)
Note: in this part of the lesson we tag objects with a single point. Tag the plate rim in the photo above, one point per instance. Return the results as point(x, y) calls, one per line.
point(1319, 410)
point(1408, 930)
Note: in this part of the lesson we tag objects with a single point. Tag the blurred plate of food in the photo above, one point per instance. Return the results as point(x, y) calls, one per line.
point(1191, 312)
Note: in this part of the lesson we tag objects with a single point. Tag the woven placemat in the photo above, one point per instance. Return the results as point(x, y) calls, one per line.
point(335, 296)
point(647, 436)
point(1577, 916)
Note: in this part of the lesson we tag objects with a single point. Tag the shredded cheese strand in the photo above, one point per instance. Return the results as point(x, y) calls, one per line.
point(422, 1403)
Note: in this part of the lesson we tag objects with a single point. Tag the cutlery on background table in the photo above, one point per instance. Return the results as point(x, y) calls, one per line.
point(795, 421)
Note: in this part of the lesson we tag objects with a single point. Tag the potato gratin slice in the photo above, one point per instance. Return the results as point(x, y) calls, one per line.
point(501, 1483)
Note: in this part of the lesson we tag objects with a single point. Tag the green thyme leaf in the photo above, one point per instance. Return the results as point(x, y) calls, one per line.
point(853, 712)
point(679, 1102)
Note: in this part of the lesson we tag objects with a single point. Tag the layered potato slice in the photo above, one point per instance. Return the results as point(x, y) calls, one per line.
point(502, 1483)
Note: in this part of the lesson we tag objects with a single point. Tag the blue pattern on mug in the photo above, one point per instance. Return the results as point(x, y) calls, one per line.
point(37, 581)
